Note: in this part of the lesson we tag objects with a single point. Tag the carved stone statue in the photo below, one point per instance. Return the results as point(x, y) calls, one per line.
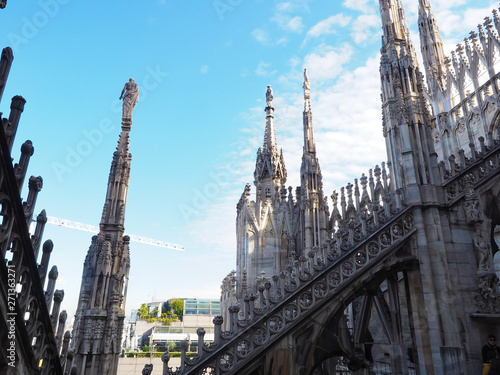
point(472, 207)
point(482, 246)
point(130, 96)
point(486, 298)
point(307, 84)
point(269, 96)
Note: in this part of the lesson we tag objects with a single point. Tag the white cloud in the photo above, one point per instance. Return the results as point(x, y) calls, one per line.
point(262, 69)
point(327, 26)
point(261, 36)
point(327, 62)
point(360, 5)
point(204, 69)
point(288, 23)
point(365, 27)
point(295, 24)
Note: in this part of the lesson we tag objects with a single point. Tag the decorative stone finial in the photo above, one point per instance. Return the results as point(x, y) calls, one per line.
point(269, 96)
point(307, 84)
point(130, 96)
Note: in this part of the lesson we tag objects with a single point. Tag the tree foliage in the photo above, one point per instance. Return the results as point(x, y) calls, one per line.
point(143, 312)
point(177, 305)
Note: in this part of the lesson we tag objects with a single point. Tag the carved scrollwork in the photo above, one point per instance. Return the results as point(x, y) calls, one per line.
point(260, 336)
point(226, 361)
point(451, 192)
point(320, 289)
point(407, 223)
point(360, 258)
point(208, 371)
point(334, 279)
point(397, 231)
point(348, 268)
point(345, 244)
point(370, 224)
point(333, 253)
point(358, 233)
point(373, 248)
point(306, 300)
point(291, 312)
point(385, 239)
point(276, 323)
point(243, 348)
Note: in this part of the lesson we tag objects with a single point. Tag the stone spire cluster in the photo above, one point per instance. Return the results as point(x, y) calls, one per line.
point(99, 319)
point(277, 228)
point(406, 124)
point(431, 47)
point(270, 171)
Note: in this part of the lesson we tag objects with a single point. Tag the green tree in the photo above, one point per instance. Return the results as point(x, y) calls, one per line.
point(143, 312)
point(178, 306)
point(171, 346)
point(154, 313)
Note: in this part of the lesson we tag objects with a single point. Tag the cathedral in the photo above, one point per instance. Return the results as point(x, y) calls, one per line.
point(430, 303)
point(394, 273)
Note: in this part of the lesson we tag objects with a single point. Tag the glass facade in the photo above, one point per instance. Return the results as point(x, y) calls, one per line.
point(201, 307)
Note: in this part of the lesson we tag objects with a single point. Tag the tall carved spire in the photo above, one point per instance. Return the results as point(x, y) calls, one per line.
point(431, 43)
point(309, 145)
point(431, 46)
point(101, 307)
point(393, 20)
point(311, 191)
point(270, 165)
point(406, 121)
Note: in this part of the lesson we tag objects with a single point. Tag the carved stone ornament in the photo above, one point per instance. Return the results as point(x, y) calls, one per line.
point(483, 249)
point(148, 369)
point(486, 298)
point(471, 205)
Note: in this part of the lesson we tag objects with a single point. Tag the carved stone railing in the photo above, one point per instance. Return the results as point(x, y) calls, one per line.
point(482, 165)
point(376, 227)
point(24, 305)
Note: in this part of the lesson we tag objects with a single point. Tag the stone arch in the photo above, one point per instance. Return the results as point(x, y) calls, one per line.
point(494, 127)
point(324, 338)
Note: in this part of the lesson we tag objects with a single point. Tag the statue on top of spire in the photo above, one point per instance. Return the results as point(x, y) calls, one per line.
point(130, 96)
point(269, 96)
point(307, 84)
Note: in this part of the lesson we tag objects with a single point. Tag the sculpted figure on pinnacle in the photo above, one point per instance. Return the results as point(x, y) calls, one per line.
point(130, 96)
point(269, 96)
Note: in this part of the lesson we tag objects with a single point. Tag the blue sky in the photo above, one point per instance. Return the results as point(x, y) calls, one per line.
point(203, 67)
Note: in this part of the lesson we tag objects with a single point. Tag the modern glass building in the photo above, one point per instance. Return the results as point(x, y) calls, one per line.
point(201, 307)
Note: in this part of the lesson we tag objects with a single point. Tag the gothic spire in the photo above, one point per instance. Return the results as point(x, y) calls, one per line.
point(101, 307)
point(113, 215)
point(313, 207)
point(309, 170)
point(431, 43)
point(431, 46)
point(393, 20)
point(270, 133)
point(404, 106)
point(309, 146)
point(270, 165)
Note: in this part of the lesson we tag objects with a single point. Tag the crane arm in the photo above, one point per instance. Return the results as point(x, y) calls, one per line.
point(93, 229)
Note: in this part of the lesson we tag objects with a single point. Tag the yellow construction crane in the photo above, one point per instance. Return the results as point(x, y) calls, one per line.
point(93, 229)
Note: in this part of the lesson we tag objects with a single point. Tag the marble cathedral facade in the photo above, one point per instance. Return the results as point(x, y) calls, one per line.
point(278, 228)
point(441, 125)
